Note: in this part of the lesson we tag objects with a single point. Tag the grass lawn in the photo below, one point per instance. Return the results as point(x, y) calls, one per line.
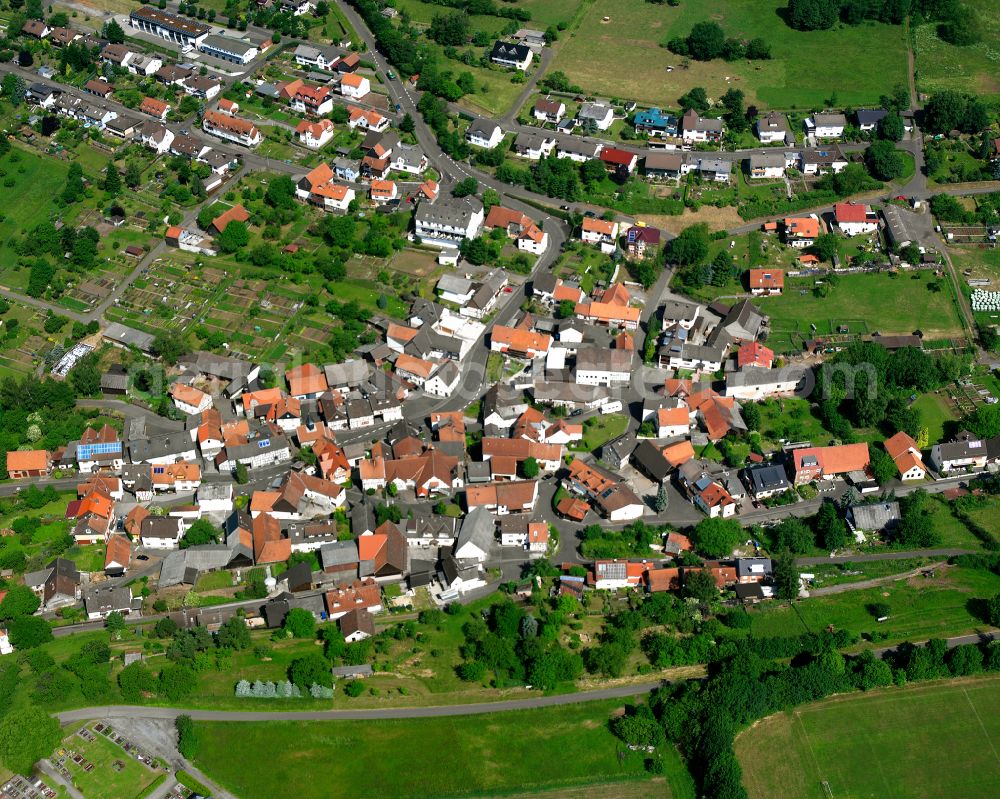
point(934, 414)
point(922, 607)
point(212, 581)
point(486, 755)
point(35, 181)
point(970, 69)
point(624, 57)
point(858, 302)
point(936, 739)
point(104, 781)
point(791, 419)
point(598, 430)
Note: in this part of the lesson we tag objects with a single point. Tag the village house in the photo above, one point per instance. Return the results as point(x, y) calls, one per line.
point(28, 463)
point(602, 232)
point(767, 282)
point(772, 128)
point(965, 453)
point(315, 134)
point(484, 133)
point(515, 56)
point(599, 115)
point(549, 110)
point(518, 226)
point(655, 122)
point(855, 219)
point(826, 126)
point(801, 232)
point(815, 463)
point(240, 131)
point(317, 188)
point(696, 129)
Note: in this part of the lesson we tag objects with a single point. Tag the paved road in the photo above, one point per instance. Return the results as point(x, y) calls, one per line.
point(436, 711)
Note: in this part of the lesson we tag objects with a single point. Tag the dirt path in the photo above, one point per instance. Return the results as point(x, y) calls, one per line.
point(843, 588)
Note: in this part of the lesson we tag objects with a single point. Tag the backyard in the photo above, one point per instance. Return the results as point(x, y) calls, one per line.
point(936, 739)
point(617, 52)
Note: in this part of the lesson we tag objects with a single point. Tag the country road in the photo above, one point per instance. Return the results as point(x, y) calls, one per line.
point(434, 711)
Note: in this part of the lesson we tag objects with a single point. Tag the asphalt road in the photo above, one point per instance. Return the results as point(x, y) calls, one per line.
point(436, 711)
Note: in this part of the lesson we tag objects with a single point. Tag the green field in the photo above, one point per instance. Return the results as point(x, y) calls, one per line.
point(969, 69)
point(935, 413)
point(492, 755)
point(34, 180)
point(925, 740)
point(921, 608)
point(599, 430)
point(624, 57)
point(859, 302)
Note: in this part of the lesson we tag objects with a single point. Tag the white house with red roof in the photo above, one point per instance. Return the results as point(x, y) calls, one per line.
point(855, 219)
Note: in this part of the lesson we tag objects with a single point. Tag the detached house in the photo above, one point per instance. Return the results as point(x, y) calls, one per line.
point(855, 219)
point(826, 126)
point(518, 226)
point(773, 129)
point(549, 110)
point(696, 129)
point(601, 232)
point(155, 108)
point(813, 463)
point(28, 463)
point(318, 188)
point(906, 455)
point(484, 133)
point(801, 232)
point(600, 115)
point(766, 165)
point(315, 134)
point(621, 162)
point(966, 452)
point(516, 56)
point(354, 86)
point(767, 282)
point(655, 122)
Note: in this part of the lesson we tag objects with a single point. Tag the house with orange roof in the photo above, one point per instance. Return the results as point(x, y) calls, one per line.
point(318, 187)
point(614, 575)
point(117, 556)
point(28, 463)
point(265, 396)
point(397, 336)
point(802, 231)
point(519, 343)
point(518, 226)
point(548, 456)
point(429, 190)
point(383, 191)
point(366, 119)
point(181, 476)
point(229, 107)
point(609, 314)
point(672, 422)
point(814, 463)
point(354, 86)
point(415, 370)
point(155, 108)
point(134, 519)
point(234, 129)
point(660, 580)
point(307, 381)
point(310, 99)
point(601, 232)
point(855, 219)
point(754, 354)
point(235, 214)
point(189, 399)
point(358, 595)
point(95, 518)
point(268, 544)
point(713, 499)
point(767, 282)
point(906, 455)
point(500, 499)
point(426, 473)
point(315, 134)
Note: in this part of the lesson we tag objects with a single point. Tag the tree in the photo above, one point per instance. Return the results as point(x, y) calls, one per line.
point(241, 474)
point(27, 632)
point(717, 538)
point(300, 623)
point(751, 416)
point(566, 309)
point(530, 468)
point(793, 534)
point(890, 127)
point(831, 530)
point(962, 27)
point(825, 247)
point(280, 193)
point(700, 585)
point(312, 668)
point(112, 180)
point(993, 610)
point(177, 682)
point(187, 736)
point(115, 624)
point(883, 467)
point(883, 160)
point(20, 601)
point(113, 33)
point(234, 237)
point(12, 90)
point(406, 124)
point(690, 247)
point(74, 187)
point(813, 15)
point(449, 29)
point(662, 500)
point(25, 59)
point(705, 41)
point(696, 98)
point(785, 575)
point(135, 681)
point(465, 187)
point(234, 634)
point(758, 50)
point(27, 735)
point(201, 532)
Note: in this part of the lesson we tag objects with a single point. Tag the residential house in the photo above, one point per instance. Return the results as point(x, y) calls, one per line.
point(516, 56)
point(408, 158)
point(696, 129)
point(772, 128)
point(600, 366)
point(801, 232)
point(324, 58)
point(383, 191)
point(577, 149)
point(868, 118)
point(366, 119)
point(317, 187)
point(965, 453)
point(161, 532)
point(189, 399)
point(99, 87)
point(520, 227)
point(484, 133)
point(519, 343)
point(761, 383)
point(766, 165)
point(822, 161)
point(315, 134)
point(826, 126)
point(36, 28)
point(241, 131)
point(641, 241)
point(597, 115)
point(614, 575)
point(665, 166)
point(601, 232)
point(476, 536)
point(306, 381)
point(906, 455)
point(767, 282)
point(548, 110)
point(155, 108)
point(202, 86)
point(533, 146)
point(618, 161)
point(767, 481)
point(28, 463)
point(448, 221)
point(514, 496)
point(655, 122)
point(855, 219)
point(814, 463)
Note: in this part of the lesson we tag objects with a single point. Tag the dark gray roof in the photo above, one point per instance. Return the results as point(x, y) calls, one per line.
point(478, 528)
point(878, 516)
point(768, 478)
point(342, 553)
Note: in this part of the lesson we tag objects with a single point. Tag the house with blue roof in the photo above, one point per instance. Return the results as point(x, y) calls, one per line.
point(655, 122)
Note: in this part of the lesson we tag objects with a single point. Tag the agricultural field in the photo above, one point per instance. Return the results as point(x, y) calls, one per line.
point(921, 608)
point(936, 739)
point(623, 57)
point(969, 69)
point(857, 302)
point(487, 755)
